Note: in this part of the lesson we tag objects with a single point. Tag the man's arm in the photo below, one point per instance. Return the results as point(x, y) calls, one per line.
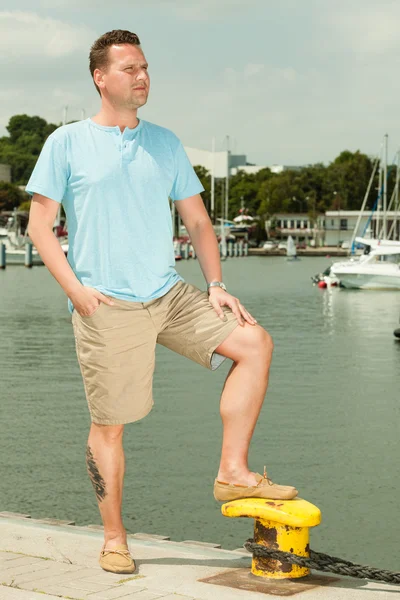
point(42, 215)
point(202, 235)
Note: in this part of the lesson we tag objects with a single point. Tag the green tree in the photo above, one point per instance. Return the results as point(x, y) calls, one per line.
point(10, 196)
point(19, 125)
point(21, 149)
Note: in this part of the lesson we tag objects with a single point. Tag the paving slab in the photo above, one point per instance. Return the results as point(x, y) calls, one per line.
point(7, 593)
point(47, 559)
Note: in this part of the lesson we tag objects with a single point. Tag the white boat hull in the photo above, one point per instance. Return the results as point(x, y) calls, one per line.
point(369, 281)
point(378, 269)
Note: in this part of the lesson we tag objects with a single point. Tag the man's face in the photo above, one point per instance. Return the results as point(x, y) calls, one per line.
point(126, 81)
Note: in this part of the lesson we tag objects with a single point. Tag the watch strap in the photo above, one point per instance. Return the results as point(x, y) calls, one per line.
point(216, 284)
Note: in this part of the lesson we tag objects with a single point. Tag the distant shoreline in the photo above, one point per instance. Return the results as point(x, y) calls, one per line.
point(323, 251)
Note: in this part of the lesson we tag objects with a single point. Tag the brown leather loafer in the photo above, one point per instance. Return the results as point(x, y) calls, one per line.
point(117, 560)
point(265, 488)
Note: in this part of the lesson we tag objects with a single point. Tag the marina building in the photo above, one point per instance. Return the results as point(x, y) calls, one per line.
point(299, 225)
point(334, 228)
point(339, 225)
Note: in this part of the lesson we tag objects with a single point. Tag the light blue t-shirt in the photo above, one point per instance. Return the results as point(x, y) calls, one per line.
point(114, 187)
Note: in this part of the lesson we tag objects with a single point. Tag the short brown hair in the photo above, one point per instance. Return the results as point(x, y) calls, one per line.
point(98, 57)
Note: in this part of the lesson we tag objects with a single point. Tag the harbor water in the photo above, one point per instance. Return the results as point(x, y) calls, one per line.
point(329, 424)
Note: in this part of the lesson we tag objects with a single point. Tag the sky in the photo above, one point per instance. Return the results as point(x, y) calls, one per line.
point(285, 82)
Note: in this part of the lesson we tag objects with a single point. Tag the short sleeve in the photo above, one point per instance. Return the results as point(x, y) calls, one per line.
point(50, 174)
point(186, 182)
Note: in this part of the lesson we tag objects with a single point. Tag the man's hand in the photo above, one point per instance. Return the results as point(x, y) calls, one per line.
point(218, 297)
point(86, 300)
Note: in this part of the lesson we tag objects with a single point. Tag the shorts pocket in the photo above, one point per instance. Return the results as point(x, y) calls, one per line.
point(96, 310)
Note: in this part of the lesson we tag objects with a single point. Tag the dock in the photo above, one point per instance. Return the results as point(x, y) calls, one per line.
point(320, 251)
point(48, 559)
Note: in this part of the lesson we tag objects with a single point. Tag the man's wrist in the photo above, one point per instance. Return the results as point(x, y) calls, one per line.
point(73, 287)
point(215, 284)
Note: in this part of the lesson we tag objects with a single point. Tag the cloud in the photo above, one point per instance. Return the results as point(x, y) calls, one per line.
point(44, 70)
point(186, 10)
point(368, 29)
point(252, 69)
point(27, 36)
point(254, 76)
point(205, 10)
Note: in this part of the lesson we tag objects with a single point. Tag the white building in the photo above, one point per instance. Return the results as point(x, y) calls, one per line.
point(298, 225)
point(281, 168)
point(249, 169)
point(252, 169)
point(339, 225)
point(205, 159)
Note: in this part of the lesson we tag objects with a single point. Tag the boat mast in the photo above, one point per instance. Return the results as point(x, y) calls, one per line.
point(371, 179)
point(379, 207)
point(223, 253)
point(58, 216)
point(385, 188)
point(227, 181)
point(212, 181)
point(394, 227)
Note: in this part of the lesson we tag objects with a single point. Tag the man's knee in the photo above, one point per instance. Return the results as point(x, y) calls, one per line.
point(267, 341)
point(260, 343)
point(252, 343)
point(109, 433)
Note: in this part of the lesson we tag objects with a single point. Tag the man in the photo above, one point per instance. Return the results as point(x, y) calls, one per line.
point(114, 174)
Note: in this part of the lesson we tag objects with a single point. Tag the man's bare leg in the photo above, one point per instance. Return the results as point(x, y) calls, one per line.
point(250, 347)
point(105, 463)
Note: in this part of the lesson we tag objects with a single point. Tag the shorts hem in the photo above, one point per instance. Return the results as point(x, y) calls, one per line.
point(220, 358)
point(122, 421)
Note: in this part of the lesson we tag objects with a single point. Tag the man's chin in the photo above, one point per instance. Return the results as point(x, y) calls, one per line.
point(137, 104)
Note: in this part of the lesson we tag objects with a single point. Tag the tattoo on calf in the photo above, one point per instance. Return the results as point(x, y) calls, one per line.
point(95, 477)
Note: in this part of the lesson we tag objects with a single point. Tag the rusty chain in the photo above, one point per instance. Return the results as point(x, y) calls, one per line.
point(324, 562)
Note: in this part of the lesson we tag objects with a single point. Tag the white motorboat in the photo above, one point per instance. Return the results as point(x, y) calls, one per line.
point(377, 268)
point(379, 265)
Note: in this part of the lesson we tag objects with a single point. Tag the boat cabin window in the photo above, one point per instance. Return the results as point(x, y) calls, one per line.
point(388, 258)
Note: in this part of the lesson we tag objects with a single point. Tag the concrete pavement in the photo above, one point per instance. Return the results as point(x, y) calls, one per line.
point(48, 559)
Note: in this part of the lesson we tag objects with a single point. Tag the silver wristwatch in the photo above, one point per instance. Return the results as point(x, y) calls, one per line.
point(216, 283)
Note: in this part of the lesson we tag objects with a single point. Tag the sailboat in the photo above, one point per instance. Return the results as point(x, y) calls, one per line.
point(291, 252)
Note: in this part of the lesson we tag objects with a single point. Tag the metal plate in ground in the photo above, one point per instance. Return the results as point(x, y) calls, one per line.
point(243, 579)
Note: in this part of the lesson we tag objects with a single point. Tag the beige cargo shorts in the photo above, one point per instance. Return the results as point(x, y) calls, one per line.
point(116, 345)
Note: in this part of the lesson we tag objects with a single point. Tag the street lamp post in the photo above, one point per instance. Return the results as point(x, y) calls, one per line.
point(299, 201)
point(339, 225)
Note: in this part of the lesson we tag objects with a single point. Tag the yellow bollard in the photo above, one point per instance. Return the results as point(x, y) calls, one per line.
point(279, 525)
